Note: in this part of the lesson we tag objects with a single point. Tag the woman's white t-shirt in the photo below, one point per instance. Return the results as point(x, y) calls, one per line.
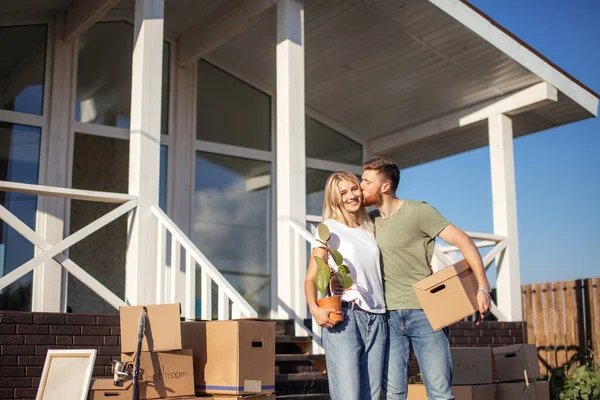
point(362, 256)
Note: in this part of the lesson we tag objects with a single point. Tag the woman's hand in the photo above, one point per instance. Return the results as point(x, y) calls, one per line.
point(321, 315)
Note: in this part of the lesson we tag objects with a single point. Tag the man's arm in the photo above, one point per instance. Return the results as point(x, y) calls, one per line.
point(456, 237)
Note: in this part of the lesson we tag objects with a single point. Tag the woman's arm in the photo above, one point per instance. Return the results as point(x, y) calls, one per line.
point(320, 314)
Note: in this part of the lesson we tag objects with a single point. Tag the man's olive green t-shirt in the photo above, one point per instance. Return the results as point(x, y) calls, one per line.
point(406, 240)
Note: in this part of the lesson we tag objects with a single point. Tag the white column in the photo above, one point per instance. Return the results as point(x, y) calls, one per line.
point(144, 150)
point(181, 179)
point(508, 281)
point(48, 278)
point(183, 153)
point(290, 157)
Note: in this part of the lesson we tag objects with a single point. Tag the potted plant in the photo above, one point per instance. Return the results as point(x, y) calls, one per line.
point(324, 273)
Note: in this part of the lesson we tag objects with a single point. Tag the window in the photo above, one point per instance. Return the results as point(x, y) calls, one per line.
point(19, 162)
point(22, 68)
point(231, 111)
point(102, 163)
point(232, 223)
point(104, 76)
point(324, 143)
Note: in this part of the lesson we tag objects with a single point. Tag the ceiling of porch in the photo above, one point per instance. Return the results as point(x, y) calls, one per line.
point(376, 67)
point(381, 66)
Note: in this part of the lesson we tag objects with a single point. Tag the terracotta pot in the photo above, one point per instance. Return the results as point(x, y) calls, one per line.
point(334, 302)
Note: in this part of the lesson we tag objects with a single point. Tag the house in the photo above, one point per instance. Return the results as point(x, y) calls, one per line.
point(176, 150)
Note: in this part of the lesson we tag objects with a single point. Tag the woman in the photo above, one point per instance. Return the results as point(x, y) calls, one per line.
point(354, 348)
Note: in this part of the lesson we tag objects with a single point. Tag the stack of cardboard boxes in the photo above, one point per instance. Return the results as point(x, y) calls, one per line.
point(221, 360)
point(450, 295)
point(518, 373)
point(472, 375)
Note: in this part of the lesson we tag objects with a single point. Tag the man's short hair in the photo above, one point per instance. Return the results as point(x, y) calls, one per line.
point(387, 168)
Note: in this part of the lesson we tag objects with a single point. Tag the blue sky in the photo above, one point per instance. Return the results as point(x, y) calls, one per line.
point(557, 171)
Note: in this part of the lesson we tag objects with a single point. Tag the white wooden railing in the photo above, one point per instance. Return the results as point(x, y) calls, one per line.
point(443, 256)
point(54, 251)
point(301, 237)
point(171, 242)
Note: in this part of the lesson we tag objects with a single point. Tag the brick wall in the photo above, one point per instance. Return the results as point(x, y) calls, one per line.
point(486, 334)
point(25, 337)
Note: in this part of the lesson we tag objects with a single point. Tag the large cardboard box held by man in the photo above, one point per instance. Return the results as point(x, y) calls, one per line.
point(164, 374)
point(513, 361)
point(161, 331)
point(449, 295)
point(466, 392)
point(232, 357)
point(471, 365)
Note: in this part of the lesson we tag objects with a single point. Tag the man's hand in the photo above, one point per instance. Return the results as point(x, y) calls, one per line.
point(321, 315)
point(484, 303)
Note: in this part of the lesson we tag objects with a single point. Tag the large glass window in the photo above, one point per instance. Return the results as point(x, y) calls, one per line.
point(19, 162)
point(315, 190)
point(102, 163)
point(104, 76)
point(22, 66)
point(231, 111)
point(324, 143)
point(232, 223)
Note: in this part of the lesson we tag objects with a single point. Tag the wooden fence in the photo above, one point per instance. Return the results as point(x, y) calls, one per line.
point(563, 321)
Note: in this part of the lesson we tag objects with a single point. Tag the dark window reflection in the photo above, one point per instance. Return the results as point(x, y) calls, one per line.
point(231, 111)
point(22, 66)
point(232, 223)
point(324, 143)
point(19, 162)
point(104, 76)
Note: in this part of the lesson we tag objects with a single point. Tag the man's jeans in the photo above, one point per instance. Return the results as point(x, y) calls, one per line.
point(432, 349)
point(354, 351)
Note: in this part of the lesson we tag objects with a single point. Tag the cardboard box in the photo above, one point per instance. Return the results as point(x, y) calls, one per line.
point(264, 396)
point(416, 391)
point(449, 295)
point(164, 373)
point(162, 331)
point(468, 392)
point(536, 390)
point(511, 361)
point(103, 388)
point(474, 392)
point(471, 365)
point(232, 357)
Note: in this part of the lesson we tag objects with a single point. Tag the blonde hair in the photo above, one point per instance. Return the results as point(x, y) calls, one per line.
point(332, 204)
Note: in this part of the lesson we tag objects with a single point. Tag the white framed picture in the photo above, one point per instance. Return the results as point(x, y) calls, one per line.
point(66, 375)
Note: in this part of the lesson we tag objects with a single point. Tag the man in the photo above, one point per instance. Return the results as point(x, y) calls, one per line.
point(405, 231)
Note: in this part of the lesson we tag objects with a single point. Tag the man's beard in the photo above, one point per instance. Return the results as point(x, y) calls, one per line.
point(373, 200)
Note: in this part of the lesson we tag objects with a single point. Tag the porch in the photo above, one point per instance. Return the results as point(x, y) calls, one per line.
point(213, 126)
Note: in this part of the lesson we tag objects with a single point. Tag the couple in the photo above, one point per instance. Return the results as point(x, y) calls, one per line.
point(382, 317)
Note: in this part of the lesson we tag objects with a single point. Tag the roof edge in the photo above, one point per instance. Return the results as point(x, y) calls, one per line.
point(460, 10)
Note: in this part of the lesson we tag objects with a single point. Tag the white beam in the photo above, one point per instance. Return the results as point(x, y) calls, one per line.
point(65, 193)
point(83, 14)
point(144, 149)
point(524, 100)
point(290, 157)
point(225, 23)
point(504, 200)
point(54, 215)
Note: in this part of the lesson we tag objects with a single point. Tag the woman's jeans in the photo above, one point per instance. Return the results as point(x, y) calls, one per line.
point(411, 327)
point(354, 351)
